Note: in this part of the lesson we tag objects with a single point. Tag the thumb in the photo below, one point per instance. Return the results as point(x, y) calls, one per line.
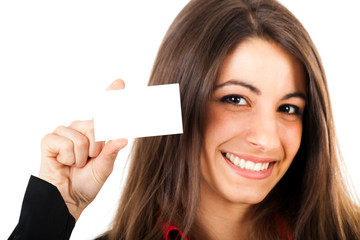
point(104, 163)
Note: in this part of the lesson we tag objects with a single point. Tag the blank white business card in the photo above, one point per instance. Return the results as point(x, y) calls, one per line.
point(138, 112)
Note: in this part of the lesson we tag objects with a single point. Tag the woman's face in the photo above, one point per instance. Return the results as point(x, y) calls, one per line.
point(253, 123)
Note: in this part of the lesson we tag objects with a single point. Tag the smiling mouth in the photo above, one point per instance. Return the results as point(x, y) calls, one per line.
point(247, 164)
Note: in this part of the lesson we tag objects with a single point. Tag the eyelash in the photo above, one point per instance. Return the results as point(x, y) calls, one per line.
point(285, 108)
point(235, 99)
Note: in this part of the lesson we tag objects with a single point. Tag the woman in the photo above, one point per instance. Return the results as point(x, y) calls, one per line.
point(258, 158)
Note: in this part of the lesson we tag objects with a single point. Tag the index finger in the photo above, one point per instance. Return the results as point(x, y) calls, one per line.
point(116, 85)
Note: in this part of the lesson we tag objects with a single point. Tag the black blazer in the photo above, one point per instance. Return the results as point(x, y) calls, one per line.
point(44, 214)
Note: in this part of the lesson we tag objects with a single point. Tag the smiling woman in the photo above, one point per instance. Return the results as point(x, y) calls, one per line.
point(254, 95)
point(253, 128)
point(254, 124)
point(258, 156)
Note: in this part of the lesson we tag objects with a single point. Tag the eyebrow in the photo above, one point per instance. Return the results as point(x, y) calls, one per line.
point(295, 94)
point(257, 91)
point(241, 83)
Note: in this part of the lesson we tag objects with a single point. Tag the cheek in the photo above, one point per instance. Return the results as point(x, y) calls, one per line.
point(291, 138)
point(220, 127)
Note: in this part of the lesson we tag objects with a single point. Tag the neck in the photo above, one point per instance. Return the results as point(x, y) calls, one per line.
point(221, 219)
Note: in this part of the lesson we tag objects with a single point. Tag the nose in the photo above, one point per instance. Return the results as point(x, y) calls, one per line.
point(262, 132)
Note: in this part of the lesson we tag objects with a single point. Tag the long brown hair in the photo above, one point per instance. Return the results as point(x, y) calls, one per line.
point(164, 176)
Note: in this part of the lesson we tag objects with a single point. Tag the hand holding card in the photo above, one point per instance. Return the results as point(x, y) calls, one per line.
point(70, 157)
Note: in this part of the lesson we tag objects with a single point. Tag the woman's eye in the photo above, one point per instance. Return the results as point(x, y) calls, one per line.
point(289, 109)
point(234, 99)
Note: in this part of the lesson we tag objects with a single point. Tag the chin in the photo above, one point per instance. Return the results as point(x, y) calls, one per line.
point(249, 198)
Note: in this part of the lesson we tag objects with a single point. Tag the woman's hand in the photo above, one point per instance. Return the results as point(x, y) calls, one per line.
point(76, 164)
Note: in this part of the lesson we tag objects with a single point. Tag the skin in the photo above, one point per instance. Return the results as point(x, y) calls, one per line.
point(70, 157)
point(260, 121)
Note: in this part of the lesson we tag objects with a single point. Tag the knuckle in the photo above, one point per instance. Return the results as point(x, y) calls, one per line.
point(66, 155)
point(67, 160)
point(59, 129)
point(81, 142)
point(74, 123)
point(46, 139)
point(67, 146)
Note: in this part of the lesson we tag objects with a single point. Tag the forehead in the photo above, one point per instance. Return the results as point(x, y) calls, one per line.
point(264, 64)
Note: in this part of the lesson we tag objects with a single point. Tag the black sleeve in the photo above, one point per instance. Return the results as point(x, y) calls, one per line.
point(44, 214)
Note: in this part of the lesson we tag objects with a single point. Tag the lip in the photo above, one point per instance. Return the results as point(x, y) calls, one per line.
point(251, 158)
point(248, 173)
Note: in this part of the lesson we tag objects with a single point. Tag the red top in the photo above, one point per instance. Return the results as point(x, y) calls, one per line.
point(172, 232)
point(283, 228)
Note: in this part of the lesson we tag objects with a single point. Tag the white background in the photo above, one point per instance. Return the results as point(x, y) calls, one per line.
point(55, 55)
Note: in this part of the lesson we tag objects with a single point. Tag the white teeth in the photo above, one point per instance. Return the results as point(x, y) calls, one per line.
point(263, 166)
point(249, 165)
point(237, 161)
point(242, 163)
point(257, 167)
